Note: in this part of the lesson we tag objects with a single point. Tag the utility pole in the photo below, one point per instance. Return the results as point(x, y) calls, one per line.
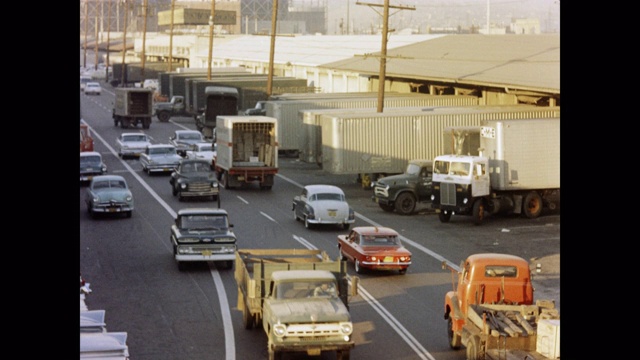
point(106, 74)
point(383, 51)
point(173, 4)
point(274, 17)
point(144, 37)
point(211, 17)
point(96, 48)
point(86, 29)
point(124, 43)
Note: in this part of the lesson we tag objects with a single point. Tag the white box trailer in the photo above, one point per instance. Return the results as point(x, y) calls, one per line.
point(380, 144)
point(290, 124)
point(310, 140)
point(247, 150)
point(517, 171)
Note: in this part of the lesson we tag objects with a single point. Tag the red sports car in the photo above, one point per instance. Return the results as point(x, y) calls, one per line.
point(375, 248)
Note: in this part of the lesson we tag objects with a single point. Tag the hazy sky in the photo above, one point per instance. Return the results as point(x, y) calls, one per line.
point(443, 13)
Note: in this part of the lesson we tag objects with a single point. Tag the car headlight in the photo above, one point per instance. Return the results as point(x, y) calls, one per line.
point(188, 240)
point(214, 185)
point(279, 330)
point(129, 198)
point(346, 328)
point(183, 186)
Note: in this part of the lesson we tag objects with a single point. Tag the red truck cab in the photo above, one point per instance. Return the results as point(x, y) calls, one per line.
point(86, 141)
point(486, 278)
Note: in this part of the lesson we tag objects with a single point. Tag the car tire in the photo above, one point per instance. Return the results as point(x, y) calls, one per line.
point(128, 214)
point(405, 203)
point(180, 197)
point(444, 216)
point(182, 266)
point(164, 116)
point(346, 226)
point(402, 271)
point(174, 191)
point(357, 266)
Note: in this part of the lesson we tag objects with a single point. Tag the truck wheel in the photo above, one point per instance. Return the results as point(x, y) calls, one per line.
point(182, 266)
point(478, 212)
point(146, 123)
point(115, 122)
point(473, 349)
point(405, 203)
point(247, 319)
point(342, 354)
point(444, 216)
point(532, 205)
point(275, 355)
point(164, 116)
point(365, 181)
point(124, 123)
point(454, 339)
point(387, 208)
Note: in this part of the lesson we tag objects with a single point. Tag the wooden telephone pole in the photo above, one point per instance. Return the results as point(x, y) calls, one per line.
point(383, 51)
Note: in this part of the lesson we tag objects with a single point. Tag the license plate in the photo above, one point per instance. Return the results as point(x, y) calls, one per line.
point(240, 178)
point(313, 352)
point(332, 213)
point(388, 259)
point(113, 209)
point(207, 252)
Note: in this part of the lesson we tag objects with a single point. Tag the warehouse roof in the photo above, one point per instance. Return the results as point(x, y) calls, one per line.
point(524, 62)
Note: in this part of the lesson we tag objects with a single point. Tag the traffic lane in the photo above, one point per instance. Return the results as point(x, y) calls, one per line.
point(390, 295)
point(537, 240)
point(131, 267)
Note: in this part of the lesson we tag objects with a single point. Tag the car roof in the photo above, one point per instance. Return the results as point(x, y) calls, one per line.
point(187, 131)
point(313, 189)
point(108, 177)
point(132, 133)
point(375, 230)
point(191, 161)
point(161, 146)
point(93, 84)
point(90, 153)
point(202, 211)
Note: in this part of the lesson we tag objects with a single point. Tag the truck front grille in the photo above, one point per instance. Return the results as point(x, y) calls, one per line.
point(200, 187)
point(381, 191)
point(447, 194)
point(310, 331)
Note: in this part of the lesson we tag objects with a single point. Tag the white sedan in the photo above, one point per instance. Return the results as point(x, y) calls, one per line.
point(323, 204)
point(206, 151)
point(160, 158)
point(92, 88)
point(132, 144)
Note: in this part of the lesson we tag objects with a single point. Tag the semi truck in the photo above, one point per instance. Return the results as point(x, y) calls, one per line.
point(492, 312)
point(133, 106)
point(219, 100)
point(517, 171)
point(281, 290)
point(247, 151)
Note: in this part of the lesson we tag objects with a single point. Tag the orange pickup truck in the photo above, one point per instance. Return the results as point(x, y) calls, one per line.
point(492, 311)
point(86, 141)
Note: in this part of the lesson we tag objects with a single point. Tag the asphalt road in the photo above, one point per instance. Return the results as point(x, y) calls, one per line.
point(192, 314)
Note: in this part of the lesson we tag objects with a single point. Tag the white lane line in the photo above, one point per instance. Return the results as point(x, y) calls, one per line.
point(267, 216)
point(386, 315)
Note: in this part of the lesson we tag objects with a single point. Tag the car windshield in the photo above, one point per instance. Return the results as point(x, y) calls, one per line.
point(202, 222)
point(190, 137)
point(162, 151)
point(195, 167)
point(134, 138)
point(206, 148)
point(377, 240)
point(327, 196)
point(305, 289)
point(90, 160)
point(107, 184)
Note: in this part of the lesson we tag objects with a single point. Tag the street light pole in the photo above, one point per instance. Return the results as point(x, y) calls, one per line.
point(173, 3)
point(124, 43)
point(106, 74)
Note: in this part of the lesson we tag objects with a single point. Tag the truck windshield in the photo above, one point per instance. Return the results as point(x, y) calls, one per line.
point(413, 169)
point(202, 222)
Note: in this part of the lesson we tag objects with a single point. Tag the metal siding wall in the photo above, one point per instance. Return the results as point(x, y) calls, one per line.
point(531, 154)
point(361, 142)
point(291, 123)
